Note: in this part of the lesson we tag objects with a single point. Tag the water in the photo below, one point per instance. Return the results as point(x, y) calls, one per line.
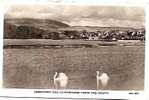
point(35, 68)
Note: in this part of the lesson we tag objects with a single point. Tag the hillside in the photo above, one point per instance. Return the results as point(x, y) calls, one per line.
point(30, 28)
point(42, 23)
point(96, 28)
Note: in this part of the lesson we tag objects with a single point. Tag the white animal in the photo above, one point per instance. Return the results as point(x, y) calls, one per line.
point(103, 77)
point(60, 80)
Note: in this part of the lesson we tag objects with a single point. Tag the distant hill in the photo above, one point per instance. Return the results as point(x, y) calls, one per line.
point(96, 28)
point(39, 23)
point(22, 27)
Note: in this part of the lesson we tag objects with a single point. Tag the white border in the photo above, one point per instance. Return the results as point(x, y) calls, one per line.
point(1, 41)
point(61, 94)
point(147, 54)
point(112, 94)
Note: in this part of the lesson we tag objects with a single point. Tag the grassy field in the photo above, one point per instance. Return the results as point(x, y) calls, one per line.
point(34, 68)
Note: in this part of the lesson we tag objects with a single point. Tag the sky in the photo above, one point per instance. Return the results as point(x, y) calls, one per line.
point(82, 15)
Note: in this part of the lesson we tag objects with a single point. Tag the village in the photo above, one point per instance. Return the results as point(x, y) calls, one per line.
point(112, 35)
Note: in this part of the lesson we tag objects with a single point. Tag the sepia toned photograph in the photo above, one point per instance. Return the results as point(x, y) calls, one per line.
point(81, 47)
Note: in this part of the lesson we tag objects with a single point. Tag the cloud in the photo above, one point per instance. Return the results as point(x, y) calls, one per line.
point(106, 23)
point(82, 14)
